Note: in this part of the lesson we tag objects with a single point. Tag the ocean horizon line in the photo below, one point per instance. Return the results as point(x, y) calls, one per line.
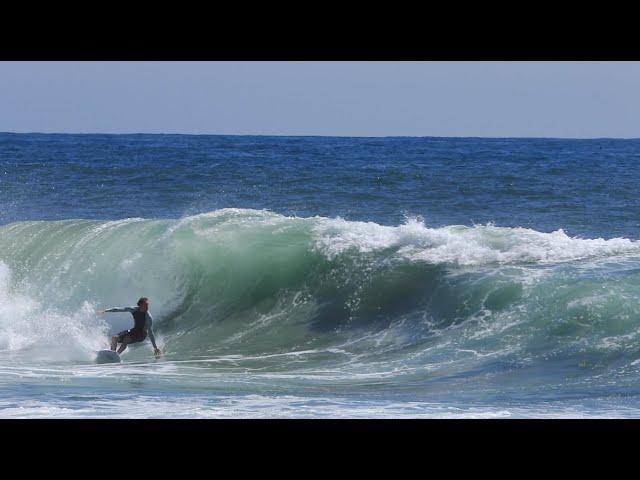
point(313, 136)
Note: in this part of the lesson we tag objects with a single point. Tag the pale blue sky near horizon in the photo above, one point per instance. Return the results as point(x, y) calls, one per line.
point(348, 98)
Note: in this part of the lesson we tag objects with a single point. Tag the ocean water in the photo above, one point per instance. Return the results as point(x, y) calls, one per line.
point(295, 277)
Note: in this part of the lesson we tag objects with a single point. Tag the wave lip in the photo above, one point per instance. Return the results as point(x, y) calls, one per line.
point(465, 246)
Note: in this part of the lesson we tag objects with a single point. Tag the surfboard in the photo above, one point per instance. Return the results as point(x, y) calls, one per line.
point(107, 356)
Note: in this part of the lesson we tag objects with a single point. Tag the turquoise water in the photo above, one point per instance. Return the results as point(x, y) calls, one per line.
point(320, 277)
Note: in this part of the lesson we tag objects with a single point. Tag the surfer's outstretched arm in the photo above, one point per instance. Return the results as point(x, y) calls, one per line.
point(118, 309)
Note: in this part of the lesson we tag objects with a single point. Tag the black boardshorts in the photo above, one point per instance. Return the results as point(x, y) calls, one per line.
point(135, 336)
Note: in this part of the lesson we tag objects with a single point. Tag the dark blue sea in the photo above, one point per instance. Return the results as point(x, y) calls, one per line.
point(320, 276)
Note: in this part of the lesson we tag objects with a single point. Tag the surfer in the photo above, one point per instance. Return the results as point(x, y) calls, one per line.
point(142, 326)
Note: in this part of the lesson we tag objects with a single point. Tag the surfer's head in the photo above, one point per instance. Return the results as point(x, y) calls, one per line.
point(143, 303)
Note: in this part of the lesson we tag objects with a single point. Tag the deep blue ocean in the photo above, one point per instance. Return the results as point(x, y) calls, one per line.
point(320, 276)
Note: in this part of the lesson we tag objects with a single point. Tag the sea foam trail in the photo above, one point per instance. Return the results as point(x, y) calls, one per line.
point(254, 282)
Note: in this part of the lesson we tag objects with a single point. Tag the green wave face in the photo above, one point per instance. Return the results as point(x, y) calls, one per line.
point(256, 284)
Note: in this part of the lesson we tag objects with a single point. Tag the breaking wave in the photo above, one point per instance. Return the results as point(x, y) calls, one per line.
point(257, 285)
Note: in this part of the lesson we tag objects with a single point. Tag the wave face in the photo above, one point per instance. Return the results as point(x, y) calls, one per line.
point(401, 301)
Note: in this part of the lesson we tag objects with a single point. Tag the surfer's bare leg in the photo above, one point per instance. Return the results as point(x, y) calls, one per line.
point(123, 345)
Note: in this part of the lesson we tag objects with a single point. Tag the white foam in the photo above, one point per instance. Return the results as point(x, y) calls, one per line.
point(291, 406)
point(461, 245)
point(44, 333)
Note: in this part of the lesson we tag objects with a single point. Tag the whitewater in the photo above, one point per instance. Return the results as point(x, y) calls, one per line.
point(266, 312)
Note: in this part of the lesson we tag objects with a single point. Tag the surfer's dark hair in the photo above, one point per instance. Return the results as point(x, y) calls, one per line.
point(143, 299)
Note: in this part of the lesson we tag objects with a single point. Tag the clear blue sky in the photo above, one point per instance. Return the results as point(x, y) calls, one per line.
point(485, 99)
